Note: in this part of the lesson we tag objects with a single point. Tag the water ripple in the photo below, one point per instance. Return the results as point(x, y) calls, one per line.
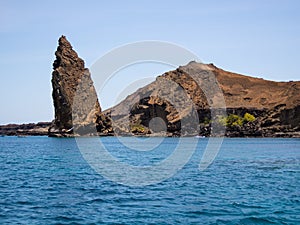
point(46, 181)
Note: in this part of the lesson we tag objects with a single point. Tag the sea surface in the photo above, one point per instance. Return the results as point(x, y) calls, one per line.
point(252, 181)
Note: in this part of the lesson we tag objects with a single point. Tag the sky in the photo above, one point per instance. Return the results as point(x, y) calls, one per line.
point(260, 38)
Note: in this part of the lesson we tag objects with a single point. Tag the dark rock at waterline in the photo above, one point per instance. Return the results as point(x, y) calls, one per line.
point(29, 129)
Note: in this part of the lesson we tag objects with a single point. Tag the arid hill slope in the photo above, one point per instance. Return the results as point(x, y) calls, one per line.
point(275, 105)
point(246, 91)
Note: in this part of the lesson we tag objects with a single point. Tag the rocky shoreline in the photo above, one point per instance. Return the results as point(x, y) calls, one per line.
point(248, 131)
point(29, 129)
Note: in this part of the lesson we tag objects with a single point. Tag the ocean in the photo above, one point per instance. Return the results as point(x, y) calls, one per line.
point(48, 181)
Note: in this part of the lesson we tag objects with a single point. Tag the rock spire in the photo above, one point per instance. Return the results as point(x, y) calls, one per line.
point(69, 73)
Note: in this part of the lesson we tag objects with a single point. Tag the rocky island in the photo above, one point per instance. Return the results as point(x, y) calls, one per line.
point(254, 107)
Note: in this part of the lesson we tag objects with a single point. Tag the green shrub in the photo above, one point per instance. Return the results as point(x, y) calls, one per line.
point(249, 117)
point(137, 128)
point(234, 120)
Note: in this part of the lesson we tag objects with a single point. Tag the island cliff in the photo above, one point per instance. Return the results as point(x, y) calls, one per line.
point(168, 106)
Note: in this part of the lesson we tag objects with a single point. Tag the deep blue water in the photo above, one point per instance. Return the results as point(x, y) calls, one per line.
point(252, 181)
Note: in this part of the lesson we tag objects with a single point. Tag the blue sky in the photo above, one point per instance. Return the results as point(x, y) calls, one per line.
point(257, 38)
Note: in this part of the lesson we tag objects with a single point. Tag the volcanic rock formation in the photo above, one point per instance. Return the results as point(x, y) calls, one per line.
point(196, 99)
point(29, 129)
point(74, 97)
point(274, 107)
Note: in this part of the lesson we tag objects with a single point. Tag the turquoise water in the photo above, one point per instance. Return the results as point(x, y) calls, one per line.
point(252, 181)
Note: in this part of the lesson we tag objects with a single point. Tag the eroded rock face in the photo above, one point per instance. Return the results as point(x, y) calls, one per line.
point(68, 77)
point(275, 105)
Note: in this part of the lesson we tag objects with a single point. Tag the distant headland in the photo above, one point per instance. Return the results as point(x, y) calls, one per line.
point(254, 107)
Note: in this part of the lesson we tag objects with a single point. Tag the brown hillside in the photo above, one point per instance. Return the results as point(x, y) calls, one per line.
point(246, 91)
point(275, 105)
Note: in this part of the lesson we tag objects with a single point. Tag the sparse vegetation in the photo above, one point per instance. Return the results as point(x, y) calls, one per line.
point(249, 117)
point(235, 120)
point(137, 128)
